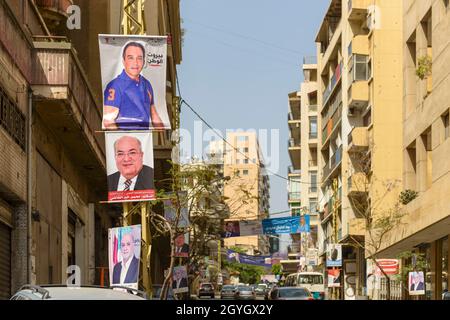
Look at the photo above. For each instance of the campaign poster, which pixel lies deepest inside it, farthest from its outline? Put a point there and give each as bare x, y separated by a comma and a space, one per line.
416, 283
250, 227
334, 255
180, 279
129, 166
182, 245
170, 211
334, 278
124, 251
262, 261
133, 70
304, 223
231, 229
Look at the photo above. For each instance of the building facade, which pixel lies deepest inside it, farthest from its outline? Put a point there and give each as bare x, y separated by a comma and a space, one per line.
302, 147
54, 174
360, 90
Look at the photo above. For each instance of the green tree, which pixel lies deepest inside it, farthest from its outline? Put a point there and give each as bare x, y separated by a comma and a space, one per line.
277, 269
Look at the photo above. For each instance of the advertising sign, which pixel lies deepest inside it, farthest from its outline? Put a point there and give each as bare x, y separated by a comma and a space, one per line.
129, 166
281, 225
124, 250
133, 70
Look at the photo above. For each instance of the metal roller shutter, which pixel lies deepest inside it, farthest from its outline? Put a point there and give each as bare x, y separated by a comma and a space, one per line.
5, 262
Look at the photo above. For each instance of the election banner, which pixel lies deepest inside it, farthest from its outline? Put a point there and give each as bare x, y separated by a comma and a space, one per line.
129, 166
124, 251
304, 223
180, 279
334, 255
281, 225
170, 212
262, 261
250, 227
334, 278
133, 70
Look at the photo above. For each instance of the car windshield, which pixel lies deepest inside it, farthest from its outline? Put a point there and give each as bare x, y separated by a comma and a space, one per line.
245, 288
293, 292
206, 286
228, 288
310, 279
262, 286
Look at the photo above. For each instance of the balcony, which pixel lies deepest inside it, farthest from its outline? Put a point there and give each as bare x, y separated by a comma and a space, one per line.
312, 190
358, 94
330, 126
359, 45
357, 9
312, 108
65, 102
293, 172
332, 84
312, 163
294, 196
358, 140
295, 153
313, 135
334, 163
357, 185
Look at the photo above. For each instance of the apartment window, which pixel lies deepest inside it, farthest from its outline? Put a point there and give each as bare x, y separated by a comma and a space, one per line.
313, 181
245, 172
445, 120
245, 149
359, 68
245, 161
12, 119
242, 138
313, 205
313, 127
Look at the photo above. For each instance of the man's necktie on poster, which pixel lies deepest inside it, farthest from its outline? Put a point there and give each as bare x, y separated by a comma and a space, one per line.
127, 185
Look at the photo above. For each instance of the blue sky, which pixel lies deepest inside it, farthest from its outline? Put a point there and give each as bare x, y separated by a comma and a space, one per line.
240, 61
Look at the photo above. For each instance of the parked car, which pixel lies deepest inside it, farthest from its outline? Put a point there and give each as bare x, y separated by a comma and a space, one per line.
227, 292
206, 289
63, 292
290, 293
245, 293
261, 289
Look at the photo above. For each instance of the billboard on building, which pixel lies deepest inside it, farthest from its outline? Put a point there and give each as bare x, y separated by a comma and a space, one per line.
180, 279
129, 166
334, 255
124, 251
133, 70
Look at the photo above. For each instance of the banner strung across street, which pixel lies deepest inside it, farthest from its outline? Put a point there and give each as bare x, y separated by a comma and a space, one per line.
129, 165
133, 72
262, 261
124, 251
240, 228
281, 225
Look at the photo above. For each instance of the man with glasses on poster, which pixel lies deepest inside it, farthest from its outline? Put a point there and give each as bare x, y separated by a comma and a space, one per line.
129, 102
132, 174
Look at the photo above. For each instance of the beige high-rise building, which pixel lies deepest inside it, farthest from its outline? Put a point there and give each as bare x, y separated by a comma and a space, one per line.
359, 49
426, 142
302, 147
247, 172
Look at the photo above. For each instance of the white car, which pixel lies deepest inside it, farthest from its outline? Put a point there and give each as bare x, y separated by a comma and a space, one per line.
62, 292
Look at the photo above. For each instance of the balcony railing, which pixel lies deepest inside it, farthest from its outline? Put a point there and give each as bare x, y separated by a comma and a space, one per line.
332, 84
312, 189
312, 108
312, 163
313, 135
331, 124
291, 170
293, 144
310, 60
294, 196
333, 163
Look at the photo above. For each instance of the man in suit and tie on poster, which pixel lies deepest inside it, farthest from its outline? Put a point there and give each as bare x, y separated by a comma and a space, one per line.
230, 230
179, 279
417, 283
181, 248
132, 174
126, 271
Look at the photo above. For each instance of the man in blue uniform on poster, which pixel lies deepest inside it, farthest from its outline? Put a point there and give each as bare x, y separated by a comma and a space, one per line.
129, 102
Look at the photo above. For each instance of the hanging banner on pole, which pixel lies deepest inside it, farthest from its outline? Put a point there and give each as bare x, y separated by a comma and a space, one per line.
124, 251
334, 278
180, 279
334, 255
129, 165
133, 70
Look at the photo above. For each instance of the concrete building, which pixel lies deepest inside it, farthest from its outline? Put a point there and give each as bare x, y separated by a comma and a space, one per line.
53, 162
248, 176
426, 142
359, 50
302, 146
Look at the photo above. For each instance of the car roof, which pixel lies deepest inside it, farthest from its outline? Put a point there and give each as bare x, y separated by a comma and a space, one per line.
75, 293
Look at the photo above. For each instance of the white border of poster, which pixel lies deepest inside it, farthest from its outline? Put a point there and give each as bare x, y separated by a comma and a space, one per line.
334, 255
117, 237
118, 88
142, 187
416, 277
